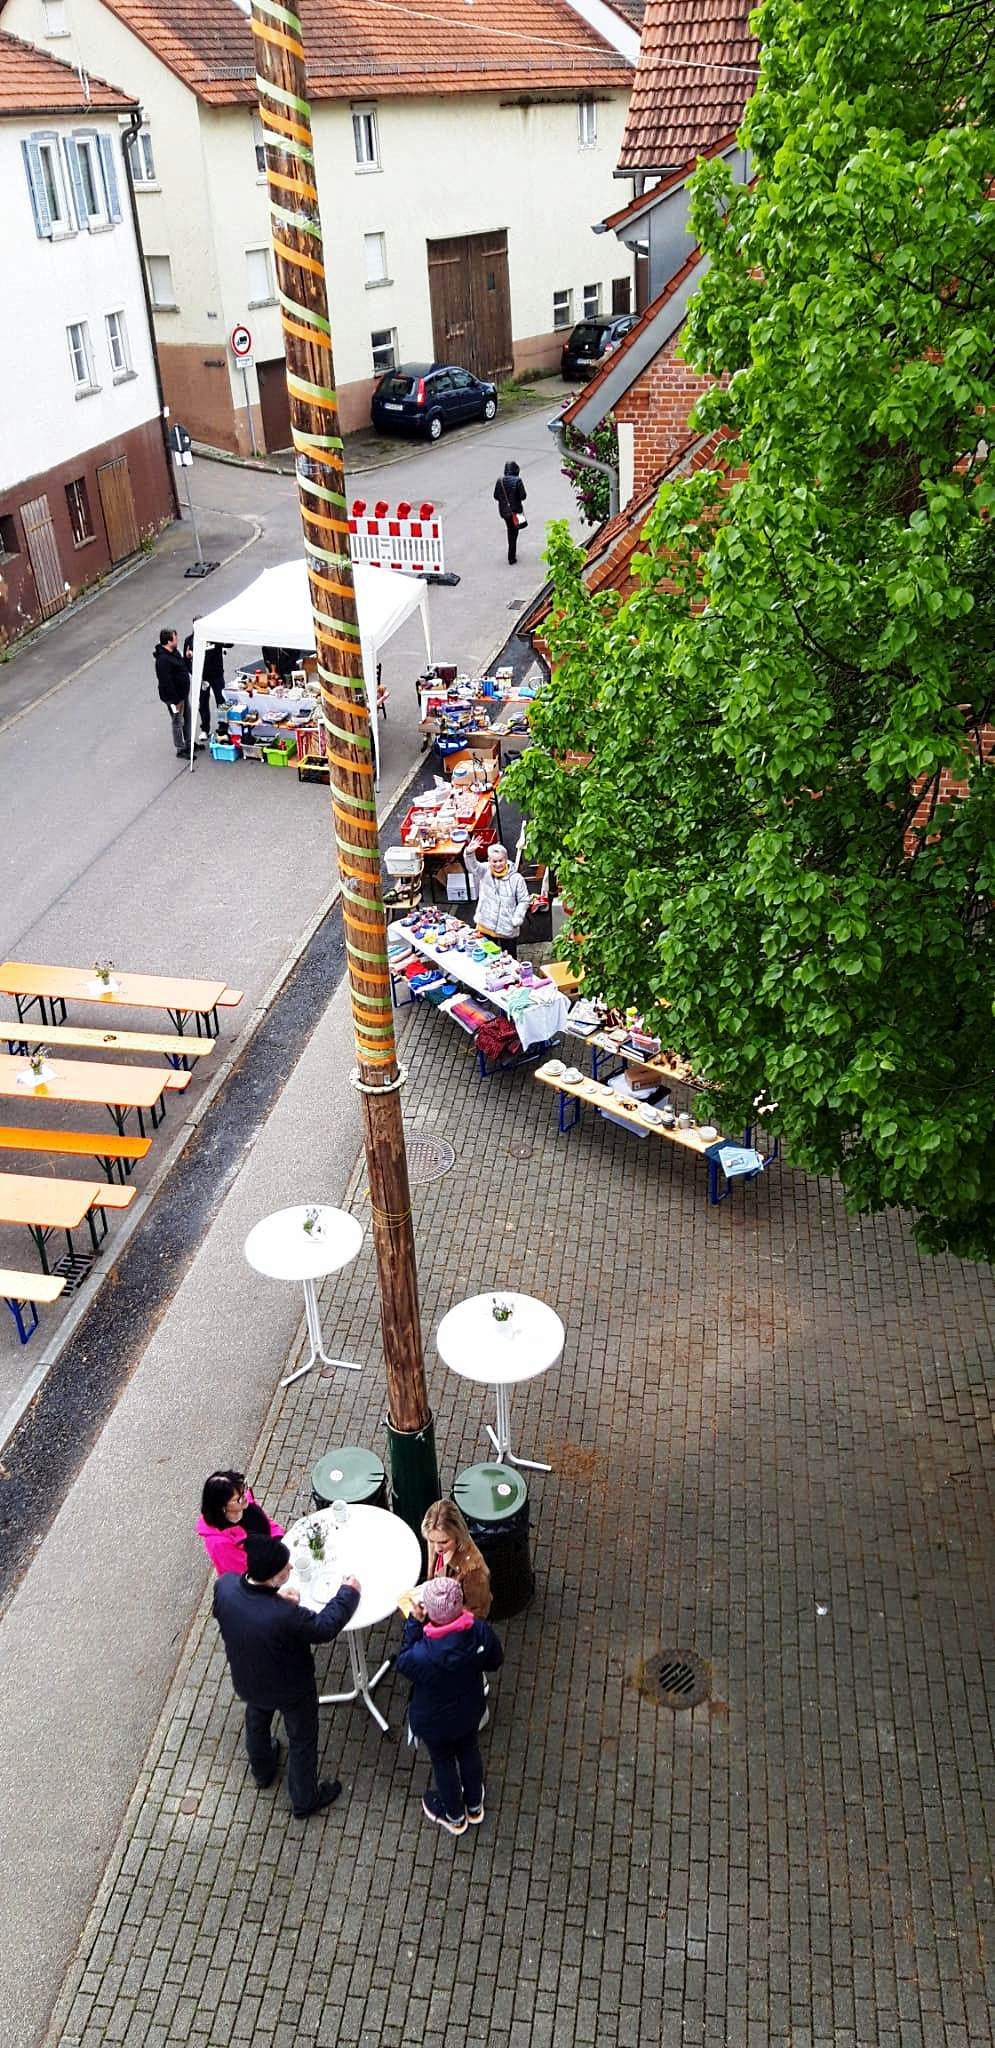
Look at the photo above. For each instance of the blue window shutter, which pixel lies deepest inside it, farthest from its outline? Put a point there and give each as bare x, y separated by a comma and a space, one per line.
76, 181
36, 187
110, 176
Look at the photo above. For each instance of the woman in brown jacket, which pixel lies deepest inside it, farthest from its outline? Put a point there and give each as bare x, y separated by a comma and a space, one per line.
452, 1551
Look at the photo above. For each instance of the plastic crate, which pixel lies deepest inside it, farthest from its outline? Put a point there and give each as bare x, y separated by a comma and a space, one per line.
224, 750
280, 753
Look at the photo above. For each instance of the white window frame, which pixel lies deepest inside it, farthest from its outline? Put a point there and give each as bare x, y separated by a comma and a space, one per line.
55, 9
383, 342
567, 308
56, 185
161, 305
259, 145
264, 250
88, 152
143, 168
591, 301
81, 356
375, 246
117, 345
366, 138
587, 124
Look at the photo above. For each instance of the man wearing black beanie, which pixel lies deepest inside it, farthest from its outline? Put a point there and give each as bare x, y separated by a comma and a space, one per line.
267, 1637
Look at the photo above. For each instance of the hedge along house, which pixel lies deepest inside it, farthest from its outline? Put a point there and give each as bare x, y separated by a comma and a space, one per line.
462, 152
84, 477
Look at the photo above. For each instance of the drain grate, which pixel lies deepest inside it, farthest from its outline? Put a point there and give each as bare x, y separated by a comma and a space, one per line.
674, 1678
428, 1160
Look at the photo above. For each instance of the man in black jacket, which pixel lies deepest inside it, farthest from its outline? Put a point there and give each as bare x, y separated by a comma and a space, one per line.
173, 678
267, 1637
212, 681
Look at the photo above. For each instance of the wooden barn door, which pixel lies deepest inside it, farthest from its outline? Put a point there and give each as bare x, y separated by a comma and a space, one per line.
118, 504
43, 554
471, 302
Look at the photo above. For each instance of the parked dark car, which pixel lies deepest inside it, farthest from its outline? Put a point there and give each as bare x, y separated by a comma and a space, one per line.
591, 341
422, 398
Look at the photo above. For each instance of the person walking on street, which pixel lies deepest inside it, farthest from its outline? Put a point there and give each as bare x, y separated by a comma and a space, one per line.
267, 1636
445, 1652
173, 678
510, 494
212, 680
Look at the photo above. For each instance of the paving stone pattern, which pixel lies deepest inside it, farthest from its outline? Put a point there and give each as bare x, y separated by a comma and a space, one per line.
763, 1411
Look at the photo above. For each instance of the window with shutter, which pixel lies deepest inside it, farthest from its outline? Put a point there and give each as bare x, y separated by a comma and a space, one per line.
259, 275
46, 187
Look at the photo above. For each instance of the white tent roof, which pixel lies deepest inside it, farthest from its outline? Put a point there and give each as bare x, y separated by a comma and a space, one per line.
274, 610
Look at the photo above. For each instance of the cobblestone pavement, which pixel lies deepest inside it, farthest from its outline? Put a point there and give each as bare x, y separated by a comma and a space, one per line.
768, 1431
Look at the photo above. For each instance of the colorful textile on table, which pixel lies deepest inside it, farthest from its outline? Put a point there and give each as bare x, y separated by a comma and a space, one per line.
498, 1038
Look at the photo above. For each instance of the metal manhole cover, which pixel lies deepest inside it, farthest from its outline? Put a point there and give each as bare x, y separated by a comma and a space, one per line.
519, 1151
428, 1159
674, 1678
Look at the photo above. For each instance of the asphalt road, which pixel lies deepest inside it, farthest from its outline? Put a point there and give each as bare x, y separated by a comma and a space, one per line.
108, 847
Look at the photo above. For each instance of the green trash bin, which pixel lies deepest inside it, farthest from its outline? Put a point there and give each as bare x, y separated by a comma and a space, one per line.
351, 1474
494, 1503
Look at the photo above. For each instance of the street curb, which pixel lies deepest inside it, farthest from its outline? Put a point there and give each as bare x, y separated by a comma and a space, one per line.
138, 626
96, 1280
405, 447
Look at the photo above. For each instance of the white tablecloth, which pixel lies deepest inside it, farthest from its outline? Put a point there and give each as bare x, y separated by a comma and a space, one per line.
545, 1016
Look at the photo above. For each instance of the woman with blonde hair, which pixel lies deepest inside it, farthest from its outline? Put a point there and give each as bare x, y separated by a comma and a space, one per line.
452, 1553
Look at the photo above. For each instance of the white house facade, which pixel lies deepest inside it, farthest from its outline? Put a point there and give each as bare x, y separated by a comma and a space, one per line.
83, 472
457, 191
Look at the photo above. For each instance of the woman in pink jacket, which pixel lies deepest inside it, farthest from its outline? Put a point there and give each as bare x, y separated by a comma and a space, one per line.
229, 1513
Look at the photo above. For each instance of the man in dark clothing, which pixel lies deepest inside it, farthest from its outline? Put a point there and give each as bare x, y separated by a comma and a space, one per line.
267, 1637
509, 493
212, 680
173, 678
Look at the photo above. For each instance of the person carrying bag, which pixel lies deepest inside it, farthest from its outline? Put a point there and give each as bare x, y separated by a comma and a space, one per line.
510, 494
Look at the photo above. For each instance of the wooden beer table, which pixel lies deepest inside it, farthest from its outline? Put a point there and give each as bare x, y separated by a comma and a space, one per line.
119, 1090
53, 987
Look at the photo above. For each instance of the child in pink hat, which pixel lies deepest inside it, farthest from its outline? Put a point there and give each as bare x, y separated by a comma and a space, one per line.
445, 1652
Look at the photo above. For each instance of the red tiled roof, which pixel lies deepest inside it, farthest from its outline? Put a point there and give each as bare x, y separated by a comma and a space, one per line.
645, 320
380, 49
632, 11
696, 71
31, 82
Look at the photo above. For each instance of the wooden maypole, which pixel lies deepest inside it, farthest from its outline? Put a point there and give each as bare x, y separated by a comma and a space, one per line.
281, 81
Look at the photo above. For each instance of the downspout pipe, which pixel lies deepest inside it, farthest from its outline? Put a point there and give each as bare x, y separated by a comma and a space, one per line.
556, 428
129, 137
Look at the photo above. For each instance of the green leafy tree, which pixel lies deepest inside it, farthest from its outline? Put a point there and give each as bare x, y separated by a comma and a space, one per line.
743, 773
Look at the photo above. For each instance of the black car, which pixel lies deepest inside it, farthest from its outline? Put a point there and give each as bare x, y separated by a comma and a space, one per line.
422, 398
591, 341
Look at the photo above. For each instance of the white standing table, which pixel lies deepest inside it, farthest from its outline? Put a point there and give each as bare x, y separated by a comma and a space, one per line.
381, 1552
282, 1249
474, 1344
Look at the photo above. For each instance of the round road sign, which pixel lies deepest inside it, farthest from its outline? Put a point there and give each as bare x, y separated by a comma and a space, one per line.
241, 341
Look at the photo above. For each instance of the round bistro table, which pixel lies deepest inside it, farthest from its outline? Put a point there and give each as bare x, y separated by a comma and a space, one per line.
474, 1344
380, 1551
280, 1248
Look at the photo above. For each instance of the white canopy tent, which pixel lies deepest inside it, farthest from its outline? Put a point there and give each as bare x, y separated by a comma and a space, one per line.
275, 611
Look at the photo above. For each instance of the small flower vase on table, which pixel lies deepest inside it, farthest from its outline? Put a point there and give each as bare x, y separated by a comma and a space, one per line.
103, 982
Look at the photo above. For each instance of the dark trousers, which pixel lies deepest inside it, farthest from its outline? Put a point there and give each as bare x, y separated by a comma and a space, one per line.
459, 1773
301, 1723
216, 689
180, 721
512, 539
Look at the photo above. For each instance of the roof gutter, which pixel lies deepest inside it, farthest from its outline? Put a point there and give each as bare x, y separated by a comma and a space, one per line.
129, 137
557, 429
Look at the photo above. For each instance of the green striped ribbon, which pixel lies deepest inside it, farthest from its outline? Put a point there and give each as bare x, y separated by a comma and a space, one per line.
304, 313
277, 13
356, 803
349, 739
300, 221
284, 99
321, 394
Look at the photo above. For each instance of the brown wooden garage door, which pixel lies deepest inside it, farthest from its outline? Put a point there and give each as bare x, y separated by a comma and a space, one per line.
118, 505
471, 302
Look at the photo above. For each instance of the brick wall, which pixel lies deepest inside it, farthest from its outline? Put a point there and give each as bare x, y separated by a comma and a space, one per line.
951, 785
658, 407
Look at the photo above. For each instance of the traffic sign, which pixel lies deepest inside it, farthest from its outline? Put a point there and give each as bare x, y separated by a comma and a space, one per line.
241, 342
180, 443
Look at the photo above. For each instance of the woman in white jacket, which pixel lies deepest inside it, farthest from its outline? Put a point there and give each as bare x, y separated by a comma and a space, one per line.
502, 897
